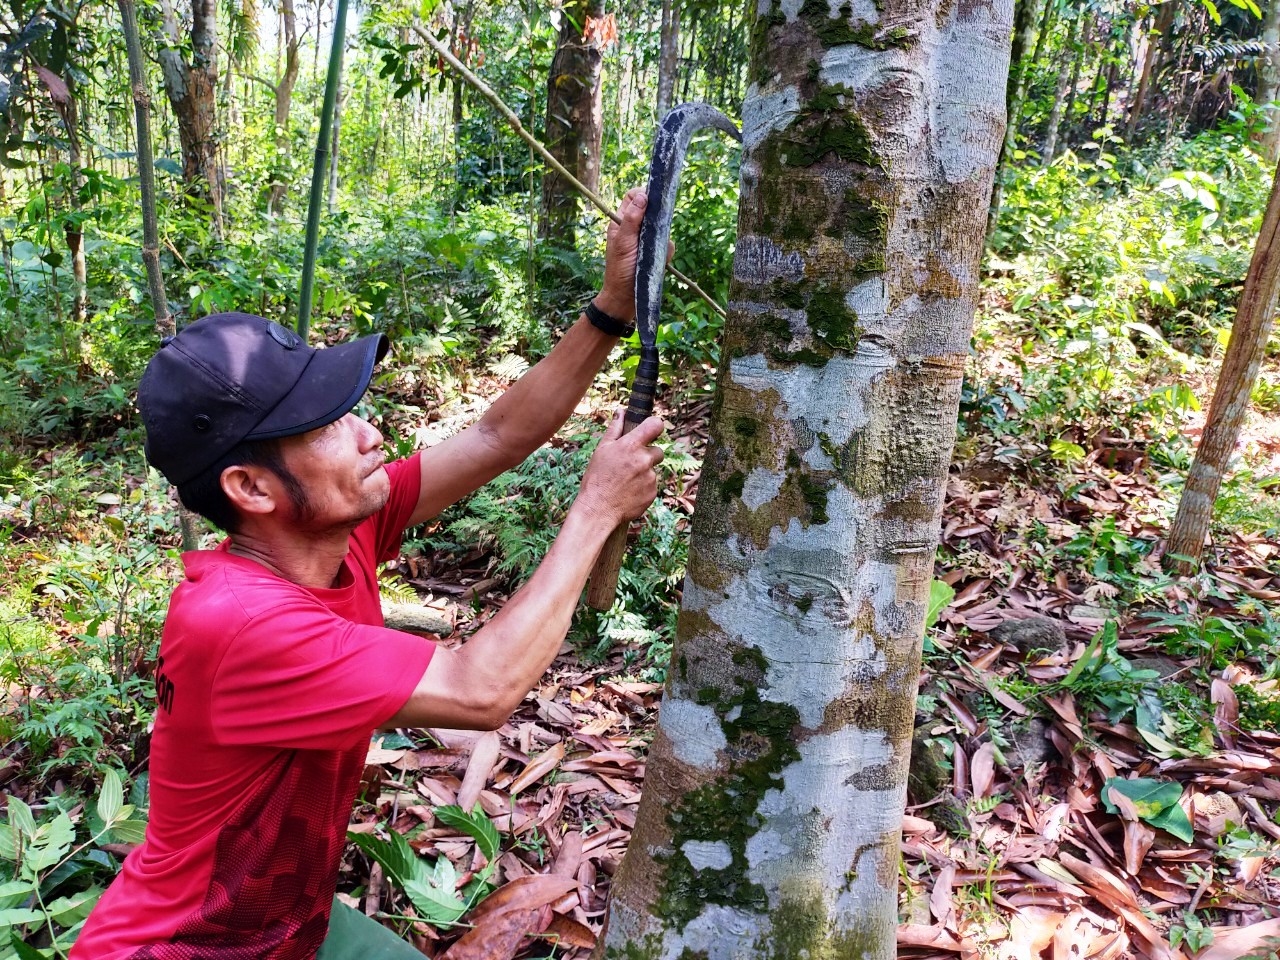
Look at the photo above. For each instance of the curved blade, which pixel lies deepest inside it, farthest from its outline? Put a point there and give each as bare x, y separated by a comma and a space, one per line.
674, 133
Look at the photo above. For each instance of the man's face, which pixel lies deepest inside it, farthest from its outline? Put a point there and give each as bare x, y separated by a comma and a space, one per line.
339, 469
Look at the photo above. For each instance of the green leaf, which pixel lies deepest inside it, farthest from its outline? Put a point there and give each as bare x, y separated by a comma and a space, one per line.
21, 818
1090, 654
941, 594
15, 892
475, 825
434, 904
17, 915
24, 950
129, 831
111, 797
74, 908
400, 860
1156, 802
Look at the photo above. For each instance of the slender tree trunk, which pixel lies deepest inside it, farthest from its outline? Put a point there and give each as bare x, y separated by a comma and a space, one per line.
191, 88
74, 229
333, 153
771, 818
574, 123
668, 54
1164, 20
1249, 335
165, 325
1068, 73
284, 103
1019, 65
1268, 139
1042, 34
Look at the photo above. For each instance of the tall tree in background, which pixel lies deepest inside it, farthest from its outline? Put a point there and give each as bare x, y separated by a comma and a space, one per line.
771, 817
574, 123
1268, 139
191, 87
1064, 89
668, 54
1153, 43
1248, 342
282, 92
1020, 62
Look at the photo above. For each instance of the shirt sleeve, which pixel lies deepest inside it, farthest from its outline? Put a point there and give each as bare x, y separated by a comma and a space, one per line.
305, 678
390, 521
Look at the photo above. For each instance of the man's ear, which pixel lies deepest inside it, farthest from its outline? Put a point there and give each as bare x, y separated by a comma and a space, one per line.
252, 489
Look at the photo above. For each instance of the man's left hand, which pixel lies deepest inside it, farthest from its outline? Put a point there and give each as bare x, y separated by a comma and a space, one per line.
617, 296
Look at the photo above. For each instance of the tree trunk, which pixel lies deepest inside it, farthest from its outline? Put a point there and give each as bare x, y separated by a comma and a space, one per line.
74, 229
333, 149
1164, 20
1019, 64
1249, 334
771, 817
284, 102
574, 122
1268, 139
668, 55
1068, 76
165, 325
191, 88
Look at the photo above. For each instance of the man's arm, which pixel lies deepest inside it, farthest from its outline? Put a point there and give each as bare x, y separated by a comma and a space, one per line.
539, 403
479, 684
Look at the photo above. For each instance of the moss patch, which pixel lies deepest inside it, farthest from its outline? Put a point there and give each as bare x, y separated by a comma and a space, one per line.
761, 746
838, 29
803, 930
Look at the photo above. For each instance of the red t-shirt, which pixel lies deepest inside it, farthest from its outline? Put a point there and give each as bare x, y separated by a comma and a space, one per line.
267, 695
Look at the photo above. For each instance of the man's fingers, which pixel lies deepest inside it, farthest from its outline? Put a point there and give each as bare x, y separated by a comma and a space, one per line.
649, 431
671, 250
614, 430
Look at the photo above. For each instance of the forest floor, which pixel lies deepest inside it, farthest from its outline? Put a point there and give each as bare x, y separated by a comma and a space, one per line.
1016, 843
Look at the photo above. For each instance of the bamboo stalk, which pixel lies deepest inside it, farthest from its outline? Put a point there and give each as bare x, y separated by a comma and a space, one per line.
320, 171
165, 325
509, 115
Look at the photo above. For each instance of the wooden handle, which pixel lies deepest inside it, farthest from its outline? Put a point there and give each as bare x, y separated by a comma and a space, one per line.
603, 583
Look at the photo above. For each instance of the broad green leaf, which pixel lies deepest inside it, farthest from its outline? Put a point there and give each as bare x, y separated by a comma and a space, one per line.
1156, 802
21, 818
16, 915
15, 892
129, 831
72, 909
475, 825
435, 904
400, 860
940, 595
24, 950
111, 797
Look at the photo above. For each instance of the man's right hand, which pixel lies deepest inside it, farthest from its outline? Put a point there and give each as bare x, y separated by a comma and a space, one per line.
621, 480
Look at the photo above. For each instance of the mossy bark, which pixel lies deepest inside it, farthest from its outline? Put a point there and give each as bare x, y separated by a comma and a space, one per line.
771, 816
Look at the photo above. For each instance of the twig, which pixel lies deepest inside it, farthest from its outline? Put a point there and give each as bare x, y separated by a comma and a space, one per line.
487, 92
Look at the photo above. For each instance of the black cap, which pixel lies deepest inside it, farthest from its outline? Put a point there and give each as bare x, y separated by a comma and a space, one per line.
231, 377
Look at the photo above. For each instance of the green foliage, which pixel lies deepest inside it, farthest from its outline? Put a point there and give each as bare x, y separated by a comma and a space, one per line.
1155, 801
432, 887
52, 867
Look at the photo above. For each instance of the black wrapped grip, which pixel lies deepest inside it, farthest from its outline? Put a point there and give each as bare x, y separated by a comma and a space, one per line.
643, 388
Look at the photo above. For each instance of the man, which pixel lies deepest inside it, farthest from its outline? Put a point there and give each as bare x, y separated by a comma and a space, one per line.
274, 666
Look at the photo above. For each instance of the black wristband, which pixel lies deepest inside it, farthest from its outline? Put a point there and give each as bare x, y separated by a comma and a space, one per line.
605, 323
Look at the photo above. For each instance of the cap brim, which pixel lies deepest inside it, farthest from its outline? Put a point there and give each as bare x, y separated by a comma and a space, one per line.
332, 383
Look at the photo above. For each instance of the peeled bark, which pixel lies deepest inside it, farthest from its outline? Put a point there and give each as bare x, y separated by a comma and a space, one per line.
191, 88
1268, 139
1248, 342
574, 122
771, 817
668, 54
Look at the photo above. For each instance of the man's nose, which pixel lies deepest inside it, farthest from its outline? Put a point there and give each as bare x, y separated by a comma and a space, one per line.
370, 436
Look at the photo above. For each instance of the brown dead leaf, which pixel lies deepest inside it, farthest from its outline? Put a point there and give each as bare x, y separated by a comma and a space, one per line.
538, 768
484, 756
918, 935
1231, 943
941, 904
1226, 712
982, 770
570, 933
